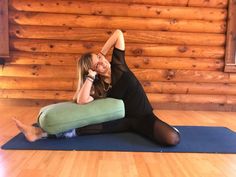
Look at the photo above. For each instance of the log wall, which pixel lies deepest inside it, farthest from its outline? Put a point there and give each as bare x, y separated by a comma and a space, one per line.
175, 48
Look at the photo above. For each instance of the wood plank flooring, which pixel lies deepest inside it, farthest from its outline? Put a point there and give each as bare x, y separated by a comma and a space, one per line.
20, 163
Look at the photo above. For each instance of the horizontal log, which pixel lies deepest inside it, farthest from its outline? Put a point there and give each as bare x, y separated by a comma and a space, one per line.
77, 47
189, 88
157, 106
210, 3
187, 98
125, 23
43, 84
182, 75
26, 102
40, 71
122, 9
25, 58
201, 3
175, 63
184, 106
133, 62
232, 77
37, 94
131, 36
67, 95
64, 84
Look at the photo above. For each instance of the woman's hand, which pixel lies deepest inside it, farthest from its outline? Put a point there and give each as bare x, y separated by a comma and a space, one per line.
92, 73
83, 96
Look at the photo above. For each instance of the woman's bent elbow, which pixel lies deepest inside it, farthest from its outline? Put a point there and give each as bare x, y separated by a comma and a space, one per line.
119, 32
81, 102
84, 101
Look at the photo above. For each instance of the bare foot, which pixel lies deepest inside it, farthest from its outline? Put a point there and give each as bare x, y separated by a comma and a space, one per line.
31, 133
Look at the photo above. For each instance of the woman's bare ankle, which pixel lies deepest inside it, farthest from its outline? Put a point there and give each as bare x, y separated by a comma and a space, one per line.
31, 133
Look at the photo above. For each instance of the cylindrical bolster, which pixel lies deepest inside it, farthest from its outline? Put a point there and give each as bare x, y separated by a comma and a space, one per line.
60, 117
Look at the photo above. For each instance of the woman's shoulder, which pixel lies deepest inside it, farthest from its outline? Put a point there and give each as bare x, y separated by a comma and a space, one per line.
118, 49
118, 52
118, 56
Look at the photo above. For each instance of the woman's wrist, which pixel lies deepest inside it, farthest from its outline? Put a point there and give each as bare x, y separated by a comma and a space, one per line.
102, 53
90, 78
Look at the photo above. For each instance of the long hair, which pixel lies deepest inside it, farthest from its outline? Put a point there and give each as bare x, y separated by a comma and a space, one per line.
84, 63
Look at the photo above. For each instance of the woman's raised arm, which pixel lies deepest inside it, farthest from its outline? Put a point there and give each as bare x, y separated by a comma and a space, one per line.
116, 39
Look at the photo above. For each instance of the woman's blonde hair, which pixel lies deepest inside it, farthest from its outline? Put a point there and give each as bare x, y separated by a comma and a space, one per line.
84, 63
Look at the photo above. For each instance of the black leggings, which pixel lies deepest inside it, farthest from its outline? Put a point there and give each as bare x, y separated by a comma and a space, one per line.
149, 126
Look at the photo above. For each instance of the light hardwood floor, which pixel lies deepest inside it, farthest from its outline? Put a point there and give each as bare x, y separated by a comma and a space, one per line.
115, 164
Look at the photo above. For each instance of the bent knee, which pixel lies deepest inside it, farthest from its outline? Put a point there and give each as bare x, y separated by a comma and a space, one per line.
173, 139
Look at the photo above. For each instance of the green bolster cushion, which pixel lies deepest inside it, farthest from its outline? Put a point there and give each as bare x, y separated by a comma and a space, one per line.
61, 117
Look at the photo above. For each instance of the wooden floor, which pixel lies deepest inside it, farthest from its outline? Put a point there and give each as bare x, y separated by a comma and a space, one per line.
115, 164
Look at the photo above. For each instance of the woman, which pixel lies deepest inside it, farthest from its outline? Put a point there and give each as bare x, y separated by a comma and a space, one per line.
98, 79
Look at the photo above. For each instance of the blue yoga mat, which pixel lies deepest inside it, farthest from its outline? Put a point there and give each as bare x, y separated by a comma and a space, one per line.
198, 139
